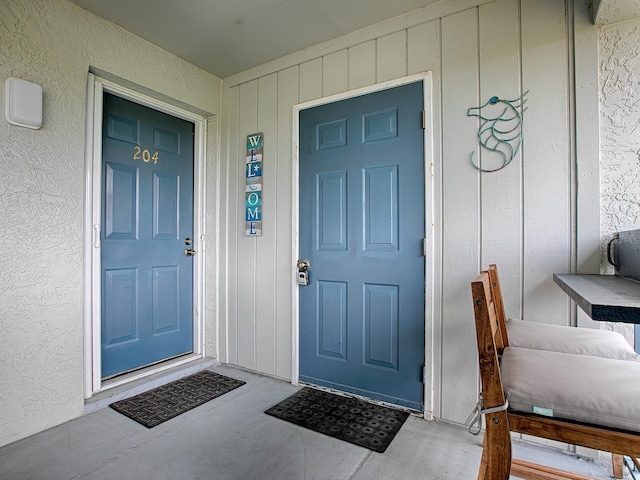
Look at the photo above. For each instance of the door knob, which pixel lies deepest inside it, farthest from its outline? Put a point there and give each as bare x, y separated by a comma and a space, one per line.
189, 252
303, 271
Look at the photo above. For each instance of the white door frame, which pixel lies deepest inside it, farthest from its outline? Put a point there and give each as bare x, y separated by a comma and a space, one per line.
430, 230
93, 204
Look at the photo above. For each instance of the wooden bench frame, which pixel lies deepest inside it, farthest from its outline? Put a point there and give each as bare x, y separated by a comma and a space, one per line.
497, 462
617, 460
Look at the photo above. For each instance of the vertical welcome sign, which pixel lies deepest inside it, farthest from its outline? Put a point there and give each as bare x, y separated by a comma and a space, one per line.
253, 185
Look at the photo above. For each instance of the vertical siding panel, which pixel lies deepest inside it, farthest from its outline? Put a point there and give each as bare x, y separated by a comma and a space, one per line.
311, 80
266, 244
460, 213
335, 73
547, 166
392, 56
246, 259
362, 65
423, 48
587, 149
287, 97
501, 191
587, 142
229, 254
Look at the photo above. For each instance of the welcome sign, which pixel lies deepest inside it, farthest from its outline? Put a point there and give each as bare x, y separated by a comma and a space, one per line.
253, 185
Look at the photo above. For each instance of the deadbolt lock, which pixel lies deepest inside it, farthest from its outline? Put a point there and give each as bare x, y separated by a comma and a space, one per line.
189, 252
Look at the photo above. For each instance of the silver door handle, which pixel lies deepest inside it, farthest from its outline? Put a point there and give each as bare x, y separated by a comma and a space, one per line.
303, 272
189, 252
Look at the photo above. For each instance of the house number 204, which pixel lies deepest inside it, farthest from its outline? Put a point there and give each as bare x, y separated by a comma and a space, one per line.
144, 155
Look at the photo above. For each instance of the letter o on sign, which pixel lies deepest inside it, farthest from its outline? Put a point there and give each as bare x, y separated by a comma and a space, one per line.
253, 199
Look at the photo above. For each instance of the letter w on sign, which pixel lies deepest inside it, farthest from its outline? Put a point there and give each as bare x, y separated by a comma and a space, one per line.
254, 140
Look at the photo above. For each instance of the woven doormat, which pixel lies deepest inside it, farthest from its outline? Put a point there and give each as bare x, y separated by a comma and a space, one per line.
168, 401
346, 418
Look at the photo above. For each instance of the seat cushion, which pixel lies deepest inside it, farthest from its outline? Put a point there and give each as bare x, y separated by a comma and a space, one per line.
556, 338
600, 391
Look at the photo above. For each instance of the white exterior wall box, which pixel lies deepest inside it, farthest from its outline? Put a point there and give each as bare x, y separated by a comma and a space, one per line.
23, 103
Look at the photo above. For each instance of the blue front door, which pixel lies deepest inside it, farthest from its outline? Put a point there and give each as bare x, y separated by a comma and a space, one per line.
362, 226
147, 222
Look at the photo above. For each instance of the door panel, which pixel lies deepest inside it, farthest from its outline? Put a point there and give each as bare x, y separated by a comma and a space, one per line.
121, 185
120, 285
166, 206
361, 226
165, 300
381, 326
147, 280
381, 209
331, 233
332, 319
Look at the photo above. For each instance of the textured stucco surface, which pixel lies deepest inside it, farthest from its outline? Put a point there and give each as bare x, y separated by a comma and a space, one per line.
619, 47
612, 11
619, 128
53, 43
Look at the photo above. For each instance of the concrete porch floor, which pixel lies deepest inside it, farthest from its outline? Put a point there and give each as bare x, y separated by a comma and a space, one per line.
230, 438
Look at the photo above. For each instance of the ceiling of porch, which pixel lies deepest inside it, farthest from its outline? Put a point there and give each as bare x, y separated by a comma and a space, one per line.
225, 37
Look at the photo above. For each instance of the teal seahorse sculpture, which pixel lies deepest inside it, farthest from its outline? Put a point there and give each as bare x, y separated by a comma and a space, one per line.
501, 128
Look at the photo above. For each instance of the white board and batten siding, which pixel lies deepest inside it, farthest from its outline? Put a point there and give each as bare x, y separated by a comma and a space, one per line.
521, 218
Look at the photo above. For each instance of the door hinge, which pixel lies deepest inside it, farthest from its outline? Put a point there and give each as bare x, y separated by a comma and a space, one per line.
424, 120
424, 247
424, 374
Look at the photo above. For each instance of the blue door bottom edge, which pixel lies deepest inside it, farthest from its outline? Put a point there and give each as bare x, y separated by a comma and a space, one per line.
391, 401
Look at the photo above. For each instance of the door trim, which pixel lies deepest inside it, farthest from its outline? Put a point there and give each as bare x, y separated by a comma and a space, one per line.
431, 233
96, 86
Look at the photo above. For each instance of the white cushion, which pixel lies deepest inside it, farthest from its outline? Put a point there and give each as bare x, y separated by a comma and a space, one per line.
595, 390
557, 338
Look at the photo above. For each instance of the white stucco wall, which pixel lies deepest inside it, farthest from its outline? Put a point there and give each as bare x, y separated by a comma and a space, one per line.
53, 43
619, 123
619, 51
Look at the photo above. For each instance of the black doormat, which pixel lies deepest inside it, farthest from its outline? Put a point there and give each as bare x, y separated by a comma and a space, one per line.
346, 418
163, 403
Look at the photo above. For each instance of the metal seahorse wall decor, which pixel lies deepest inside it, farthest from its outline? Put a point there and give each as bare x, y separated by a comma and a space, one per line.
501, 128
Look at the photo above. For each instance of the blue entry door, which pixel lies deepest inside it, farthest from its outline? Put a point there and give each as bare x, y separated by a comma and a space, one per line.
147, 224
362, 212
